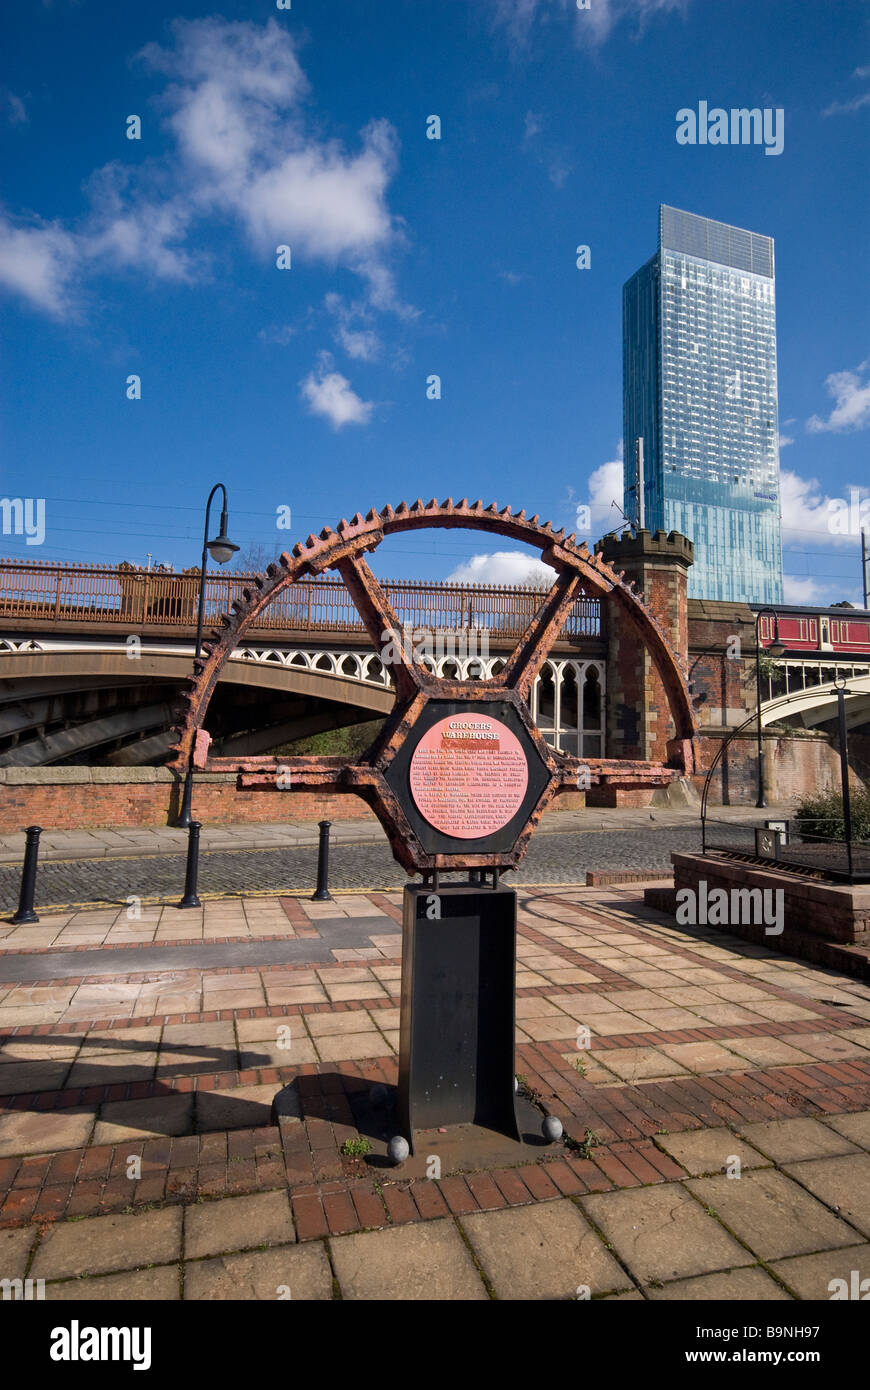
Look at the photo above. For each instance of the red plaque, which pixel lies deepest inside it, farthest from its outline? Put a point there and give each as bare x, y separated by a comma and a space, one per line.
468, 776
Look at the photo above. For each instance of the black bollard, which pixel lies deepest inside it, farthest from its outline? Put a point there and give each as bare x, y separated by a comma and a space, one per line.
25, 911
190, 899
322, 893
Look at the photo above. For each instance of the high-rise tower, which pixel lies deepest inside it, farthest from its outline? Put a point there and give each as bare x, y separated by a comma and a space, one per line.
699, 386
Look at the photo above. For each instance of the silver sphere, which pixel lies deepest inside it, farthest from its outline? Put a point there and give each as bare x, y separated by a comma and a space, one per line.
551, 1129
398, 1149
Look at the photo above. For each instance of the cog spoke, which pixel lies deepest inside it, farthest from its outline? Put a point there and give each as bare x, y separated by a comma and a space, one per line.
533, 648
381, 622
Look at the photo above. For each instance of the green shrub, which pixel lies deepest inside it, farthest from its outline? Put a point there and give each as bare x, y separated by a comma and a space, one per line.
821, 815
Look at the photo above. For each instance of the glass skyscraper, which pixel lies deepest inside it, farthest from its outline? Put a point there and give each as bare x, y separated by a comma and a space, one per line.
699, 386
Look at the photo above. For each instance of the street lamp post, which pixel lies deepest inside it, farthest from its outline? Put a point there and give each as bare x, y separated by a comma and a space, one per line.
776, 648
221, 548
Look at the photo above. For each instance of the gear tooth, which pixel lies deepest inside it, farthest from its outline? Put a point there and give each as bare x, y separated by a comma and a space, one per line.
402, 509
476, 506
417, 506
570, 540
298, 550
560, 534
547, 526
342, 526
312, 540
447, 504
387, 513
493, 508
283, 561
505, 511
373, 515
432, 505
358, 519
520, 515
535, 520
463, 505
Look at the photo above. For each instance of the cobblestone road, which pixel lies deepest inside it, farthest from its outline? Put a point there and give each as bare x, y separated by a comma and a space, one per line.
552, 858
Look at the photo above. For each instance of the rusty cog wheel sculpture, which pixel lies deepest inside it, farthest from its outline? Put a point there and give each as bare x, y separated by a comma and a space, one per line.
381, 775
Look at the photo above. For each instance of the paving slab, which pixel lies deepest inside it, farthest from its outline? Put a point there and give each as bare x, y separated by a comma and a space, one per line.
239, 1107
106, 1244
171, 1114
843, 1183
141, 1285
855, 1128
17, 1078
791, 1141
15, 1248
544, 1251
703, 1151
662, 1233
39, 1132
810, 1276
771, 1214
729, 1286
293, 1272
237, 1223
420, 1261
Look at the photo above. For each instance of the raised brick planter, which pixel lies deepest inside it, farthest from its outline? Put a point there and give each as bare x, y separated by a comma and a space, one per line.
825, 922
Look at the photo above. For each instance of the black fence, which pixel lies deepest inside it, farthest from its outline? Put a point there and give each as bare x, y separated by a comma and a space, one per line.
789, 845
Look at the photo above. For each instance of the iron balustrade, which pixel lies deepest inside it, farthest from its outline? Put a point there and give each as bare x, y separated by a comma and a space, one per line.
42, 591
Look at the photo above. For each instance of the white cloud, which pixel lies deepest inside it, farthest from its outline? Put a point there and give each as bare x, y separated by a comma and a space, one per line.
806, 511
13, 107
242, 150
504, 567
840, 108
592, 26
800, 590
39, 263
852, 396
785, 440
330, 394
359, 342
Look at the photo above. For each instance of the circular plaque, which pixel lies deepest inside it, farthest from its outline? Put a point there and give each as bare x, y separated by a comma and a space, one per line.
468, 776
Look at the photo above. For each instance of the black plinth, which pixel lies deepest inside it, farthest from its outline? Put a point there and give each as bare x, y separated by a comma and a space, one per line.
456, 1058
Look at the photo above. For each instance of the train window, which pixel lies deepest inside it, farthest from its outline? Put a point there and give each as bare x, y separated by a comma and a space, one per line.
824, 632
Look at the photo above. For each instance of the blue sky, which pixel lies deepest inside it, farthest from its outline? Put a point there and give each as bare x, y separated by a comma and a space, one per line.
410, 257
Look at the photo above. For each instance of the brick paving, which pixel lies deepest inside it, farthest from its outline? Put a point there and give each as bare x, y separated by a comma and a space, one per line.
139, 1155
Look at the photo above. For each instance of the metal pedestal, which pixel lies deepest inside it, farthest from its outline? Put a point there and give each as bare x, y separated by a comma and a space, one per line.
456, 1059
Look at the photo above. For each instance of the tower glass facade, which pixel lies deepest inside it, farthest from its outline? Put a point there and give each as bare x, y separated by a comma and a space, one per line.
699, 386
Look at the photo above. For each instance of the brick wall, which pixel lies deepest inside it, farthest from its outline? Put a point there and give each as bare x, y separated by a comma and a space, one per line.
84, 798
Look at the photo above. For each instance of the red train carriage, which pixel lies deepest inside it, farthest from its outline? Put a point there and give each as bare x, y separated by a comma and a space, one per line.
839, 631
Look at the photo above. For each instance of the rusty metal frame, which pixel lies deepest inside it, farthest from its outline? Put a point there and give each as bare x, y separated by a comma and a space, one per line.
578, 572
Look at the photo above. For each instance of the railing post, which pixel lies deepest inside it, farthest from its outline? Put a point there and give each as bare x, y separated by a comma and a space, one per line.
25, 911
192, 871
322, 893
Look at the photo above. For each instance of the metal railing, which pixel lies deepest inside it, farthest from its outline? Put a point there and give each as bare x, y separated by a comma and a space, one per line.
800, 850
124, 596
